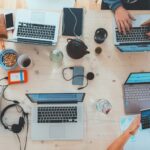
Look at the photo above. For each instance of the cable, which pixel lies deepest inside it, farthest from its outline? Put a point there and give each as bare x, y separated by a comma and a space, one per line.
14, 101
5, 78
75, 24
63, 74
76, 21
27, 131
25, 114
19, 141
84, 86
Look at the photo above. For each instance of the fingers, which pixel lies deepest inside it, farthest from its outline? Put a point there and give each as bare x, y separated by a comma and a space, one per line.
124, 26
147, 23
131, 17
148, 34
119, 26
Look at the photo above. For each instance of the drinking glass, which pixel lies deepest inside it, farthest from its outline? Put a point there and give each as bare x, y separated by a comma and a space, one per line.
103, 106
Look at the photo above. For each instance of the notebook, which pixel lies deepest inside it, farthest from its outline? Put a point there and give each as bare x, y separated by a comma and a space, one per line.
72, 21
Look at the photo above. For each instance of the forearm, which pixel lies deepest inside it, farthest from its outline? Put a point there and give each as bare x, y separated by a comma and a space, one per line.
119, 143
113, 4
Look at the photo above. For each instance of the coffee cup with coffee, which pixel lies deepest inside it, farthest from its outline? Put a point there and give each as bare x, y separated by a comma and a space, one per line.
24, 61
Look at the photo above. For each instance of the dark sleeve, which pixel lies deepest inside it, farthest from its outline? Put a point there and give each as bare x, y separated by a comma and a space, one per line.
113, 4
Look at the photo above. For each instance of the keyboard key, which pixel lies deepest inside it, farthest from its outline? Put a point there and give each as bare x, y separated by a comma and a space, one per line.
37, 31
57, 114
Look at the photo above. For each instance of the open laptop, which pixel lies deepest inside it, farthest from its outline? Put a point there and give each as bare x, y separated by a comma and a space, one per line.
136, 91
49, 4
36, 27
136, 40
57, 116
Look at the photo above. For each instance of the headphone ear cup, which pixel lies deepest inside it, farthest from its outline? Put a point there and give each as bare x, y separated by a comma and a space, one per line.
16, 128
21, 122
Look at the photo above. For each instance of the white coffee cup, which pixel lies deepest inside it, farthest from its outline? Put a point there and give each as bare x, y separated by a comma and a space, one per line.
24, 61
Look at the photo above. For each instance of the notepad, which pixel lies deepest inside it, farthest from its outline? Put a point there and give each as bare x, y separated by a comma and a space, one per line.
72, 21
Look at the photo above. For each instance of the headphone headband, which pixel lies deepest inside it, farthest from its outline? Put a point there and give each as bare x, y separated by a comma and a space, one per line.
5, 110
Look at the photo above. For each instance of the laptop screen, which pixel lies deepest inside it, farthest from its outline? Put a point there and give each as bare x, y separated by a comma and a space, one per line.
139, 78
134, 48
56, 97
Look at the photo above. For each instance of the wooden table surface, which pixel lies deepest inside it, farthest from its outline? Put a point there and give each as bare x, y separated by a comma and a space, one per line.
111, 69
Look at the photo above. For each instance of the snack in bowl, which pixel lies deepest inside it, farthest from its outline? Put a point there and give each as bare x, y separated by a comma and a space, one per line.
8, 59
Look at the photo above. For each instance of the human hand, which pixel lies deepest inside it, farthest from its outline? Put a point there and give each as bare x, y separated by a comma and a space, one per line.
134, 125
123, 19
147, 23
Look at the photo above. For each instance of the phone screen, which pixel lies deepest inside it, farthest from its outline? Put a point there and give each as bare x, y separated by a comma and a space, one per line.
145, 118
9, 20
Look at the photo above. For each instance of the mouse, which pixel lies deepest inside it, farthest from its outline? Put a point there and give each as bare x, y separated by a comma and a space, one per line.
100, 35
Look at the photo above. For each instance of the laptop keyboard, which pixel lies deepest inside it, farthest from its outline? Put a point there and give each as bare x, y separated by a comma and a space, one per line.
37, 31
57, 114
137, 34
139, 92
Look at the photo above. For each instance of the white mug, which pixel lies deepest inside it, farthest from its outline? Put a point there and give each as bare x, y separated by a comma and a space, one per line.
24, 61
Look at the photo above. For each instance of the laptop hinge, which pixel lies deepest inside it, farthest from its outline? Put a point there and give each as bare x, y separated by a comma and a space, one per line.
31, 41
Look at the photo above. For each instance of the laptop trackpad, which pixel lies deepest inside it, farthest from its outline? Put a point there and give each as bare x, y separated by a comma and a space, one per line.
144, 104
57, 131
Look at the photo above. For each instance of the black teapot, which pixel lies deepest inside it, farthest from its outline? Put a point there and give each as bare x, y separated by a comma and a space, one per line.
76, 48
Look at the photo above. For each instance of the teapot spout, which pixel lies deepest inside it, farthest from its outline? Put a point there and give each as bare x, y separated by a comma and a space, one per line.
87, 52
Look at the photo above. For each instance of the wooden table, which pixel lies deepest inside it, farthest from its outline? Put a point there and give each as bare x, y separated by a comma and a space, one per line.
111, 69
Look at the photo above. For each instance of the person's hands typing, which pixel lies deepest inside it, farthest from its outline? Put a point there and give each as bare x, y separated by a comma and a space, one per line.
123, 19
147, 23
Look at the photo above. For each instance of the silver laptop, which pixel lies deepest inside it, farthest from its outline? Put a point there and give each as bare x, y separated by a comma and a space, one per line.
57, 116
36, 27
136, 91
135, 40
49, 4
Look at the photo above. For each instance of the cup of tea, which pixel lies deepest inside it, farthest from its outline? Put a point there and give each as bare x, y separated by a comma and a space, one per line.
24, 61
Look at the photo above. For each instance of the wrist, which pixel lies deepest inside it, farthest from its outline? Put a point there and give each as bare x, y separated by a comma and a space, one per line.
119, 8
129, 132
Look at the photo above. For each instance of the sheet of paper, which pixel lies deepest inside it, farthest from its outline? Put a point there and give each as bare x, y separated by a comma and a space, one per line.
140, 141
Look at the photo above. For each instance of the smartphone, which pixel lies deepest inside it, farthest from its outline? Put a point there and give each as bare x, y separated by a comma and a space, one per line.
9, 21
78, 75
145, 118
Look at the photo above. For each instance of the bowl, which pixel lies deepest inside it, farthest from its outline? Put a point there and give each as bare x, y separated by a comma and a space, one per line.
8, 59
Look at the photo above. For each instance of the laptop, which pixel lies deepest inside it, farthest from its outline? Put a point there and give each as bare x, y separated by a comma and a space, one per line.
136, 92
57, 116
49, 4
136, 40
36, 27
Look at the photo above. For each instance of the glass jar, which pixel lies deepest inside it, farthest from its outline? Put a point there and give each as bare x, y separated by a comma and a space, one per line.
56, 56
103, 105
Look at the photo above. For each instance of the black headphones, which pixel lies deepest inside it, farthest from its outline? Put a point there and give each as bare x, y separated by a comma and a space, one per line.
100, 35
15, 128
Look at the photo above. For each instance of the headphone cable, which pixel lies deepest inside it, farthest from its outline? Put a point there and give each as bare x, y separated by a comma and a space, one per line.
26, 114
3, 95
19, 140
